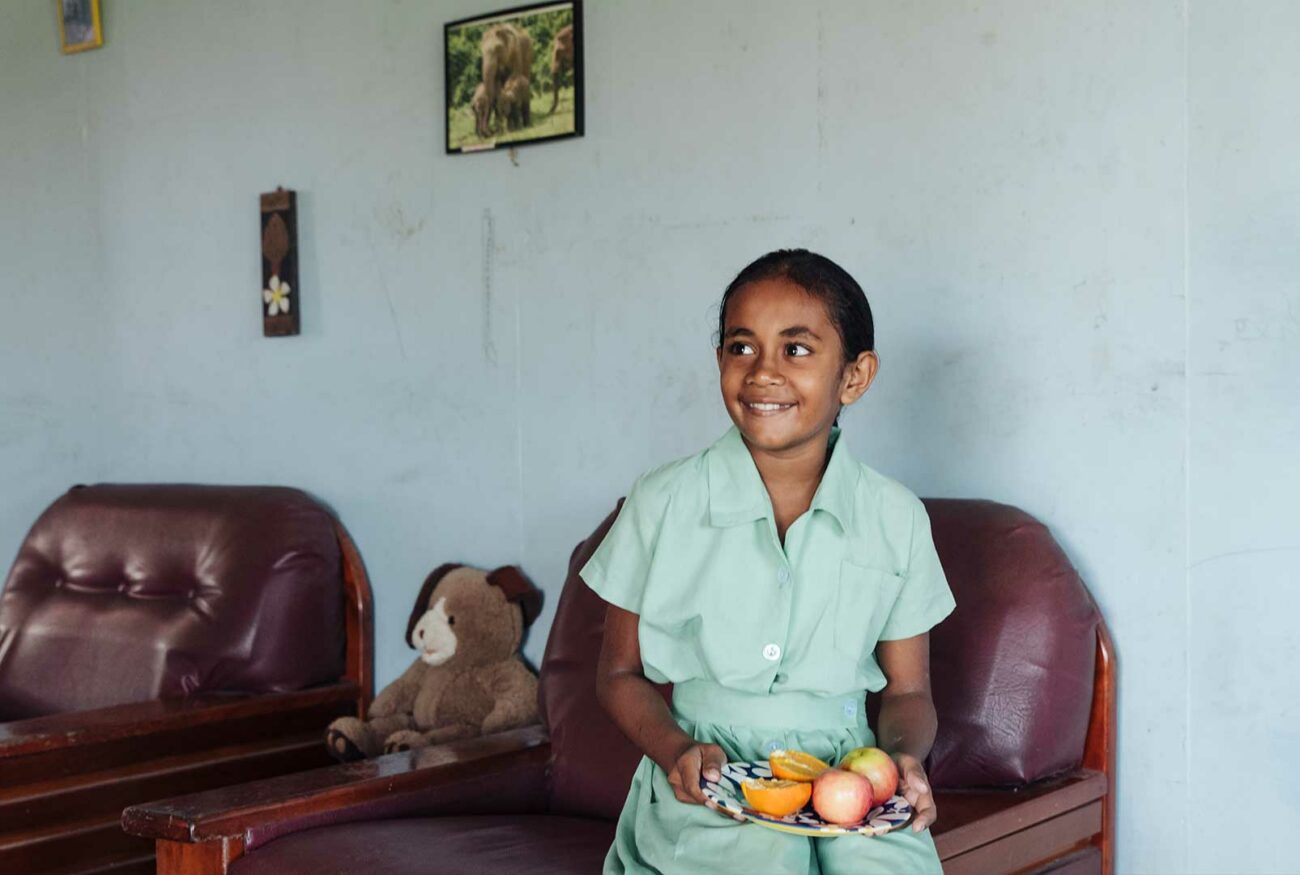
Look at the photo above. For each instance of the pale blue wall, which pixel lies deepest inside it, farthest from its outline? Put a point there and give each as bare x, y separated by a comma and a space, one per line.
1244, 435
491, 352
53, 343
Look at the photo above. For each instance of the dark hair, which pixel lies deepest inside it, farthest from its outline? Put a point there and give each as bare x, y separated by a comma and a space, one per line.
845, 302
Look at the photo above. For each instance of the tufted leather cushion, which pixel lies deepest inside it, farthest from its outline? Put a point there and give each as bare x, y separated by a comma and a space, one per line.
129, 593
1012, 667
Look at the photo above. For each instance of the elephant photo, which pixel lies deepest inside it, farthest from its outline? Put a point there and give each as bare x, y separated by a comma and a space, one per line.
500, 69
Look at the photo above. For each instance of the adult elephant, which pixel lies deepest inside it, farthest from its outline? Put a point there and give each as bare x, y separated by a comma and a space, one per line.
561, 60
507, 51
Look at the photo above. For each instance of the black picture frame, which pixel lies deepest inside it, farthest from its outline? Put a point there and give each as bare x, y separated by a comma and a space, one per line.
512, 107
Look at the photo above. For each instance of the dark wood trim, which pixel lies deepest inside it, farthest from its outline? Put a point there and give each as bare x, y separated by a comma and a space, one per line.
1102, 742
360, 621
116, 737
1028, 848
208, 857
67, 846
1011, 811
77, 728
48, 803
232, 811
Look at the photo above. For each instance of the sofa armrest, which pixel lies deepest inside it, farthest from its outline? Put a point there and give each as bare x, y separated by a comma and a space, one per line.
492, 774
42, 748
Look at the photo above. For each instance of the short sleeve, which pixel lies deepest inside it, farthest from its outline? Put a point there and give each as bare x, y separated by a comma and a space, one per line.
618, 570
925, 598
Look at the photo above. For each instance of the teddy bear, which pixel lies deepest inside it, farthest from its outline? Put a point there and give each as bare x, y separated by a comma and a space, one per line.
468, 680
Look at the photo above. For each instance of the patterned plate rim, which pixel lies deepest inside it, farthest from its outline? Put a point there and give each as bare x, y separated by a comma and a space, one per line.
726, 798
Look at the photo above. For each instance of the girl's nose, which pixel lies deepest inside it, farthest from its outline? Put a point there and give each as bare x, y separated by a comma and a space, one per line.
765, 373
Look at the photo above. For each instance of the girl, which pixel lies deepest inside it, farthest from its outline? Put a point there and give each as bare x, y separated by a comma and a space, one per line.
773, 580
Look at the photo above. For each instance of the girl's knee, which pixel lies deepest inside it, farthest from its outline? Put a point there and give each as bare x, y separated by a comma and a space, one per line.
901, 852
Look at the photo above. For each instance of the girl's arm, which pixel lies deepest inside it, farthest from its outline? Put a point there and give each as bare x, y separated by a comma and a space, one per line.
907, 722
638, 709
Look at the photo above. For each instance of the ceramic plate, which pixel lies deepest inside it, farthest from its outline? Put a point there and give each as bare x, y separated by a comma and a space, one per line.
726, 797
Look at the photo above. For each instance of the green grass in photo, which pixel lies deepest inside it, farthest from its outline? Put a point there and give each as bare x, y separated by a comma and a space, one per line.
460, 122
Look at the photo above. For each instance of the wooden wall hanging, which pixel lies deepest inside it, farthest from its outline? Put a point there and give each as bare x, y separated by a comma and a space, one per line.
280, 293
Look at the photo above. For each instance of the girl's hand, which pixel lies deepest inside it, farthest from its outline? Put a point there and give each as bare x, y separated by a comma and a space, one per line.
915, 787
693, 760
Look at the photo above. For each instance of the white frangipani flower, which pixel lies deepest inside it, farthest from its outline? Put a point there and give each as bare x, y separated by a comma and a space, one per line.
276, 297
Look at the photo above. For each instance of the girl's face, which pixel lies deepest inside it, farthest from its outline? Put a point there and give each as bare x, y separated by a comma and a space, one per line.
782, 367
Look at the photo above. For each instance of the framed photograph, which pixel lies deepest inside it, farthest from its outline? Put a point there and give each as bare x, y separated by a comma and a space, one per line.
514, 76
79, 25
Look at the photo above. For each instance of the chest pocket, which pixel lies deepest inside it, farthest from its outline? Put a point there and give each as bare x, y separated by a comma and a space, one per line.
863, 602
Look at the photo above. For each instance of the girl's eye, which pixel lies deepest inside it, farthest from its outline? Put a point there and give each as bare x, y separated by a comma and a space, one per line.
794, 349
739, 348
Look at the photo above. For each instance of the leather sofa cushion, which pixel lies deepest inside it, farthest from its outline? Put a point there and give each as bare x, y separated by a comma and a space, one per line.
503, 845
592, 761
1012, 667
128, 593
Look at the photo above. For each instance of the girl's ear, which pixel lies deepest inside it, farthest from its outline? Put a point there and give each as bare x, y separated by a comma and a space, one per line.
858, 376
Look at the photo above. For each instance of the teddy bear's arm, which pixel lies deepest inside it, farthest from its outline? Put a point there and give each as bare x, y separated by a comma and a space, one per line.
399, 696
514, 704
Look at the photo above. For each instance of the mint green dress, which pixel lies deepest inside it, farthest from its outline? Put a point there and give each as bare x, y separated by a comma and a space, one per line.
767, 646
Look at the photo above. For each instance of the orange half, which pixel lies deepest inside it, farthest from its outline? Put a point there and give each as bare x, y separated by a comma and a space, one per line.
776, 797
795, 765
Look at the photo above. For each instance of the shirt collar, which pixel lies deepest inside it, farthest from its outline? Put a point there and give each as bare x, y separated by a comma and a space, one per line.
737, 494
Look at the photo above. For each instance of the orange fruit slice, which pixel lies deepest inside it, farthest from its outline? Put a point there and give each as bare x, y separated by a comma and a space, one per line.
795, 765
776, 797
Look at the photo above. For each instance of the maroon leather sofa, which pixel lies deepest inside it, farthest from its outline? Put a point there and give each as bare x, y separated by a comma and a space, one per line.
164, 639
1023, 764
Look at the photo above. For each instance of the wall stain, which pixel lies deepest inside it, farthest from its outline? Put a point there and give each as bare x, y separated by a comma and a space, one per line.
394, 221
488, 234
388, 297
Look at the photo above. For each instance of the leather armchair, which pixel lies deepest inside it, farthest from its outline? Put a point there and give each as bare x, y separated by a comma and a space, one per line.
1023, 765
164, 639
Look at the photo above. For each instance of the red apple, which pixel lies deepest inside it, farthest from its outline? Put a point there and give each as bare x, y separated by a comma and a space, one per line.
841, 797
877, 767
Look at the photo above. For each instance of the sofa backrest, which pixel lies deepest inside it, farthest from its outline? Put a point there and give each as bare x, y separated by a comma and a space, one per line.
128, 593
1012, 667
591, 760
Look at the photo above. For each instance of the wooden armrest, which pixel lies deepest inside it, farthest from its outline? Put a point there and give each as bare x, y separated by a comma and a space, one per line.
517, 757
64, 744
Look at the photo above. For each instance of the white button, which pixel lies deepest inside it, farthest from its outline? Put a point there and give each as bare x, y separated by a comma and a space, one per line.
773, 746
772, 652
783, 576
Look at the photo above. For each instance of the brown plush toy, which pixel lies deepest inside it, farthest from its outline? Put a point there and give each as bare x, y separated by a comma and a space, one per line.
468, 680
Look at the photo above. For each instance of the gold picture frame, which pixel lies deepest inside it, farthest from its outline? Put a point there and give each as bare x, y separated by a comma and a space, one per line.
80, 27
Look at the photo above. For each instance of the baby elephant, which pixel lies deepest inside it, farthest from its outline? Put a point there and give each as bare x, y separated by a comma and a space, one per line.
514, 103
478, 104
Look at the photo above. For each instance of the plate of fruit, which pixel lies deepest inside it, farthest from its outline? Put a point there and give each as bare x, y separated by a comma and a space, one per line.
795, 792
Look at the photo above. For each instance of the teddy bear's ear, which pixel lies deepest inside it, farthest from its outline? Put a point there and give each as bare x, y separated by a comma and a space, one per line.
518, 588
422, 601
